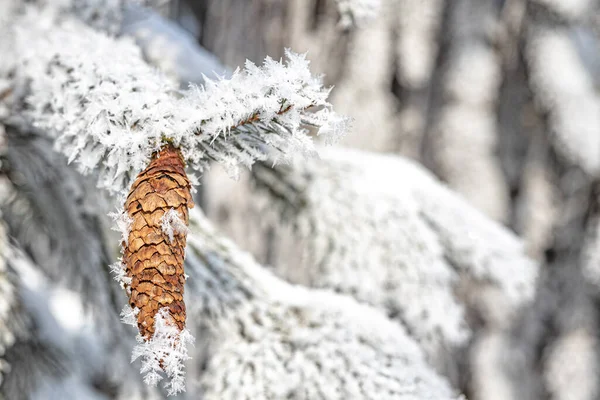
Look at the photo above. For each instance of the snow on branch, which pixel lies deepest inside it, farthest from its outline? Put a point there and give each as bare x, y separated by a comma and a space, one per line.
50, 210
269, 339
110, 111
384, 230
23, 350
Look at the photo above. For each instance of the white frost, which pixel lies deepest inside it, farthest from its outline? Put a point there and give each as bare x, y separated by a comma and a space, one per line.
168, 347
129, 315
171, 224
405, 247
110, 111
119, 272
268, 339
123, 224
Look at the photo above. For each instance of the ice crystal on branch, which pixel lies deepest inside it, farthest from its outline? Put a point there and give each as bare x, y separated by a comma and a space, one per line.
119, 272
171, 223
165, 351
122, 224
129, 315
110, 111
115, 116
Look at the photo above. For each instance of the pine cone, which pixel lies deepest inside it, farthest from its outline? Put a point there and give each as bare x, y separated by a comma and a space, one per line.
152, 260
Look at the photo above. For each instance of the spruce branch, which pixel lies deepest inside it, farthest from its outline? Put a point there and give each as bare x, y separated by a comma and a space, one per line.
269, 339
51, 212
381, 243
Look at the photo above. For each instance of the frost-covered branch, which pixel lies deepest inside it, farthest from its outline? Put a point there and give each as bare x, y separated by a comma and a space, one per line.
385, 243
21, 352
269, 339
55, 214
110, 111
70, 353
117, 116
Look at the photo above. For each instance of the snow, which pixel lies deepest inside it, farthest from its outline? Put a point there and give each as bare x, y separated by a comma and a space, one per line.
110, 111
383, 243
268, 339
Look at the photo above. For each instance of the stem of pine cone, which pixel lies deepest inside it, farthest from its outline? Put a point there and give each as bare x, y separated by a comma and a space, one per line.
153, 259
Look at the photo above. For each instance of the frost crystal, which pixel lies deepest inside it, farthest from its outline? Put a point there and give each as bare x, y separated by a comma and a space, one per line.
110, 111
118, 270
129, 315
166, 351
172, 223
123, 224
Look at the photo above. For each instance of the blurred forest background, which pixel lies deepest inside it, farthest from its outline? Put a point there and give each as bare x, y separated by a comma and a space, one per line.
500, 100
497, 99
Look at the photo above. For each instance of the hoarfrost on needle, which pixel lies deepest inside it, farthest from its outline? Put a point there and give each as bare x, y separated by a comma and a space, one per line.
165, 351
111, 111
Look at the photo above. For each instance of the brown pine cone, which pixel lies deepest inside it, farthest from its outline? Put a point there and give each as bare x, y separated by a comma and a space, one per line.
152, 261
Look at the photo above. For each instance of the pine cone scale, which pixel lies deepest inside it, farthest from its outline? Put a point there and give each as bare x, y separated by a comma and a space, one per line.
153, 260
